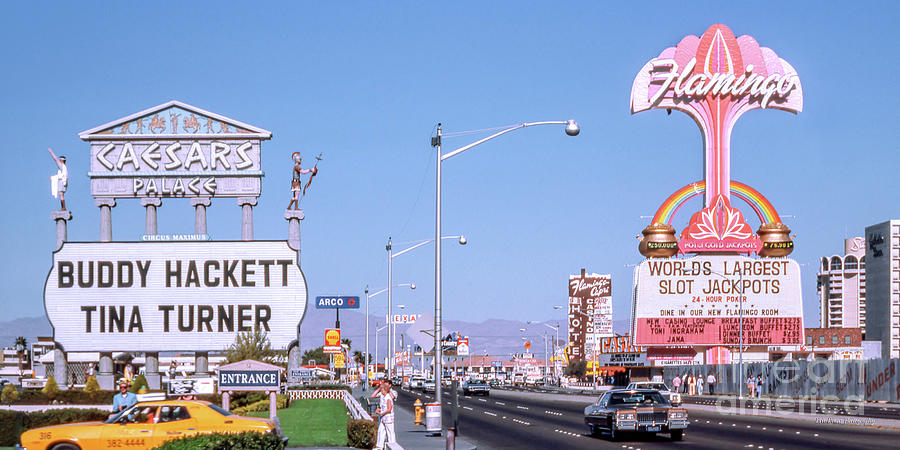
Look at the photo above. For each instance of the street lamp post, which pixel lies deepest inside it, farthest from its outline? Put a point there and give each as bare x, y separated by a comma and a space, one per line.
391, 256
555, 343
412, 286
572, 129
377, 330
740, 330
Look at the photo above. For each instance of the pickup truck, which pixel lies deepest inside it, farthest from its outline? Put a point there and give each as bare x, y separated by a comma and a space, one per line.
476, 387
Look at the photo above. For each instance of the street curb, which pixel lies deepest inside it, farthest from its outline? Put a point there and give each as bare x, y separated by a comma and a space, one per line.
818, 418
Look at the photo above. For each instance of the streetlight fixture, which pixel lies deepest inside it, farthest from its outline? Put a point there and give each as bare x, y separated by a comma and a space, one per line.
572, 129
594, 350
412, 286
377, 330
391, 255
555, 343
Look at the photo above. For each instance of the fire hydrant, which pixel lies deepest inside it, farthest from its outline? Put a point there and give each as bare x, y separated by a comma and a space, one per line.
419, 412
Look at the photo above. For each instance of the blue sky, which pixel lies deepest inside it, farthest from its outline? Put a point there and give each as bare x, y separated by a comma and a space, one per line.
365, 84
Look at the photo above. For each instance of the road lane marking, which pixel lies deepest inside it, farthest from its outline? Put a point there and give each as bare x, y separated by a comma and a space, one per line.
500, 403
553, 413
490, 413
521, 407
466, 407
482, 400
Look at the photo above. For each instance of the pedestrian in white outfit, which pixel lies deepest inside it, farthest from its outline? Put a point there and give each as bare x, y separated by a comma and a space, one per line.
386, 411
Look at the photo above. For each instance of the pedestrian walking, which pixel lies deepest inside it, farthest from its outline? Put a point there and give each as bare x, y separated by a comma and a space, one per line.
691, 385
751, 386
386, 412
759, 386
676, 384
711, 382
699, 384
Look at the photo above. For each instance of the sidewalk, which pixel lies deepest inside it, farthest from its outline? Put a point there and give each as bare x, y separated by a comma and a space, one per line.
412, 436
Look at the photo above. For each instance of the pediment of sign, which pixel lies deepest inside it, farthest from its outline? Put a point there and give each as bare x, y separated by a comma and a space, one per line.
174, 119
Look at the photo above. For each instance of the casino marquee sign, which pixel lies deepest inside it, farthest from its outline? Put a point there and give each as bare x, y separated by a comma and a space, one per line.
715, 78
161, 296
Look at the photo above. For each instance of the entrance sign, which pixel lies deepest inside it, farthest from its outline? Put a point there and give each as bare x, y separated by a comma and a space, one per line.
249, 375
162, 296
175, 150
696, 301
333, 302
715, 79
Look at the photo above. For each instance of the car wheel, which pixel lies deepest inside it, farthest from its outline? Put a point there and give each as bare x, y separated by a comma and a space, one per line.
64, 447
677, 435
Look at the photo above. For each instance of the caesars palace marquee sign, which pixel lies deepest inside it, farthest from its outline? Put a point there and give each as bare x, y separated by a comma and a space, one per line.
175, 150
185, 296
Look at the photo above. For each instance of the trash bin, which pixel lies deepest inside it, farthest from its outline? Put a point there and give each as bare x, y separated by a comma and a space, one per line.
370, 404
433, 419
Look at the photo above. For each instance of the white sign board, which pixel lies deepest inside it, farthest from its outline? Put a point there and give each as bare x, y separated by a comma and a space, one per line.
185, 296
697, 301
623, 359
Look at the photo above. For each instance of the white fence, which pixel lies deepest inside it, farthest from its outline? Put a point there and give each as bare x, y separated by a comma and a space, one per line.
855, 380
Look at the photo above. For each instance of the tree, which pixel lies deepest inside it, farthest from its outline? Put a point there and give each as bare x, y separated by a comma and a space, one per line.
346, 342
317, 354
51, 388
577, 369
91, 385
9, 395
140, 381
251, 345
359, 358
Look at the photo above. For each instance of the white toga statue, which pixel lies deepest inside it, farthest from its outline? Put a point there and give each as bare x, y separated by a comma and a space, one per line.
60, 181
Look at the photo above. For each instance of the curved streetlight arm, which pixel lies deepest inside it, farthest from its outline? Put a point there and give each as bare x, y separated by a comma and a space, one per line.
501, 133
382, 291
421, 243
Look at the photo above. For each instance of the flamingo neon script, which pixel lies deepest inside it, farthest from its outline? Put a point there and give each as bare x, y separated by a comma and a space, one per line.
715, 79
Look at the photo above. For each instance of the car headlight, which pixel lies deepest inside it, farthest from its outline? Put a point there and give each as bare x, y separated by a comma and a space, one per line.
625, 416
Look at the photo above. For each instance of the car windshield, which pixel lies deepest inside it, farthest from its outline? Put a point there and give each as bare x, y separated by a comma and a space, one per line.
637, 398
219, 410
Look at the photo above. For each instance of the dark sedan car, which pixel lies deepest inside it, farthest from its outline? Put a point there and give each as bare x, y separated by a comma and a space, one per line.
635, 410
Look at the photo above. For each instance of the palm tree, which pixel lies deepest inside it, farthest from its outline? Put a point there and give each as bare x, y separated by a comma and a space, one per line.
21, 345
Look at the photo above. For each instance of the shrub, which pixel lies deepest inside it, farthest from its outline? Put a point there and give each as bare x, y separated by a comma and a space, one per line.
9, 395
220, 441
138, 382
239, 399
51, 389
91, 386
14, 423
281, 402
361, 433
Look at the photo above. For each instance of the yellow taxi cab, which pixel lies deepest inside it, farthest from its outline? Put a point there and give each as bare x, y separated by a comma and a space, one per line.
146, 425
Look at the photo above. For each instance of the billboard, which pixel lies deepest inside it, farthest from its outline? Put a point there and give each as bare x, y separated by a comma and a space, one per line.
175, 150
162, 296
696, 301
590, 312
332, 341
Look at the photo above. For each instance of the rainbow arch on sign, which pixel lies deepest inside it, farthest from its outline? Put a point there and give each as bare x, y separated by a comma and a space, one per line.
761, 206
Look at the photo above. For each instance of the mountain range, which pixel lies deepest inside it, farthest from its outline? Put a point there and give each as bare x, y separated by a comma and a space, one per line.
495, 337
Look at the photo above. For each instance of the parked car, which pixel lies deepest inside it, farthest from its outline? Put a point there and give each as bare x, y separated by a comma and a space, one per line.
476, 387
146, 425
635, 410
673, 397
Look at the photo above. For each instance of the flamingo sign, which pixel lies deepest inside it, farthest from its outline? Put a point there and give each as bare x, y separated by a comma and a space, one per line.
715, 79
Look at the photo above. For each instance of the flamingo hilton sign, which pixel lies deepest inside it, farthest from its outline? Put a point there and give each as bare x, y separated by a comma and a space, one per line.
715, 79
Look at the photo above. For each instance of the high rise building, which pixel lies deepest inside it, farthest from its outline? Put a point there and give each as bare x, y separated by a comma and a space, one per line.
841, 285
883, 286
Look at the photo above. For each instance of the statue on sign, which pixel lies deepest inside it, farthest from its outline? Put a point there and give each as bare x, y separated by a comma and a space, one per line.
60, 181
296, 189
